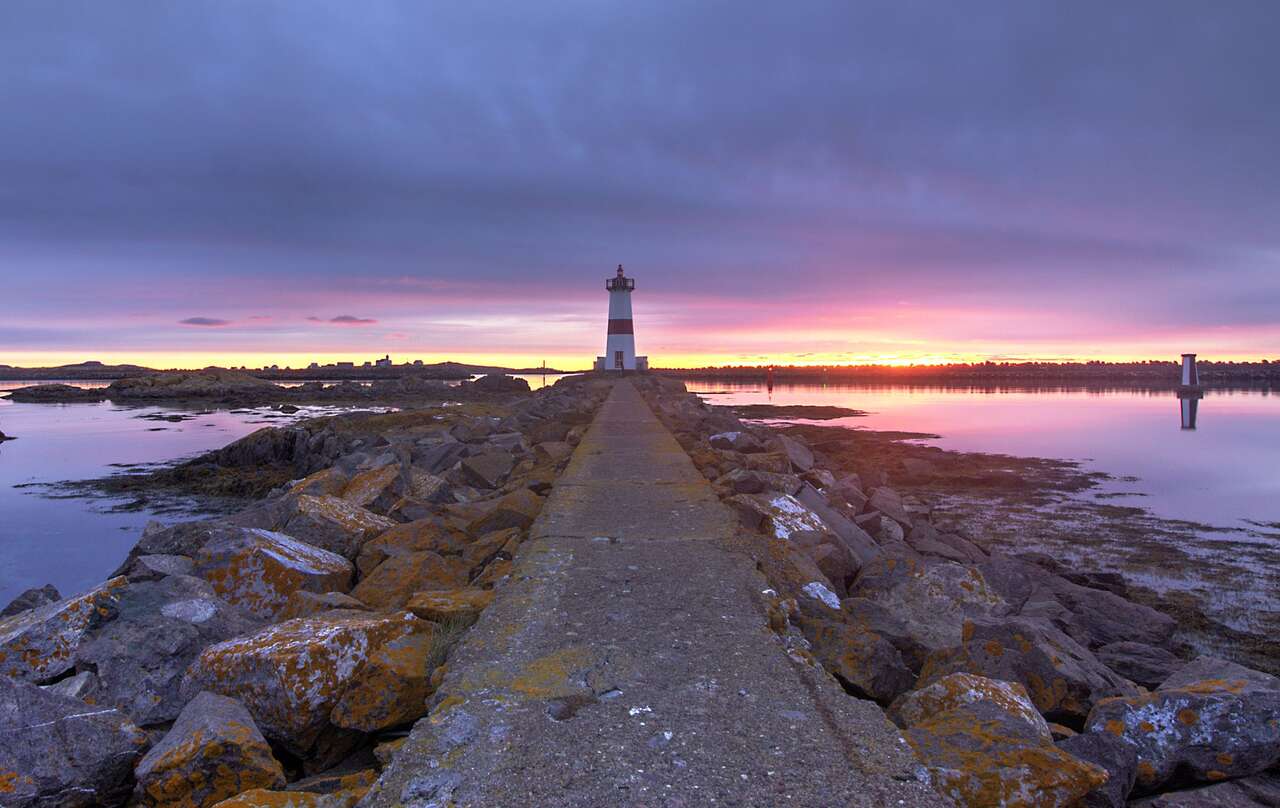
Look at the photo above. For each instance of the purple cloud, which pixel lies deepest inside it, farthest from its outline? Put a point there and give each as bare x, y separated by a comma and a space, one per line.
205, 321
344, 319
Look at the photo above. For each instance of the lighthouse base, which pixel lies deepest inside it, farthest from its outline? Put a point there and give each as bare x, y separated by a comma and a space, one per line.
602, 363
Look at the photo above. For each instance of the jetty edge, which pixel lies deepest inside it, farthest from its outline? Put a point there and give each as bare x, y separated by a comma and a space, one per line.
407, 623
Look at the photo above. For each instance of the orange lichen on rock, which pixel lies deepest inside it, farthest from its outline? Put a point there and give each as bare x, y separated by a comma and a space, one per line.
393, 582
40, 644
259, 570
462, 605
419, 536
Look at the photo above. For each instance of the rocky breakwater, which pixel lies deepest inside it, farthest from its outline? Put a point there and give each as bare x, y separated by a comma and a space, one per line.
279, 655
1014, 684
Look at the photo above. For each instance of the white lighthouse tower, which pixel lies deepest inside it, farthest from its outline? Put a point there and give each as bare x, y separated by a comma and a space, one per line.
620, 342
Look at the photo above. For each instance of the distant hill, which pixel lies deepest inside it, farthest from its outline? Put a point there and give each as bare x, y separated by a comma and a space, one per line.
97, 371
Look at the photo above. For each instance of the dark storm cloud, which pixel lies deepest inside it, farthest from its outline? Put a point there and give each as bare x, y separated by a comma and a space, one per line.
1014, 150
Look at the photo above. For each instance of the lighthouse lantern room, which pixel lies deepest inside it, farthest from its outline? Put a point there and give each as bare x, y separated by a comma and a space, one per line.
620, 341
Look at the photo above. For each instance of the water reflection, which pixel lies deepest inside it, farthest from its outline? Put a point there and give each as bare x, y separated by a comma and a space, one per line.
1189, 403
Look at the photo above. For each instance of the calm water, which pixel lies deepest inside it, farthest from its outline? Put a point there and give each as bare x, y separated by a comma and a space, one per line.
1223, 472
74, 543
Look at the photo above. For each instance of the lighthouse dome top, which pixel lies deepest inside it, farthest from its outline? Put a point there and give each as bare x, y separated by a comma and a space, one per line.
620, 282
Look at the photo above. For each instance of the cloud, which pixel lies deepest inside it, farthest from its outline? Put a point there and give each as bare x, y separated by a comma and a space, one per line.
344, 319
205, 321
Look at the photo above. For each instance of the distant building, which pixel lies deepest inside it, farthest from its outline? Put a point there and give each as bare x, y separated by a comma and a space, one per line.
348, 365
384, 362
417, 363
313, 366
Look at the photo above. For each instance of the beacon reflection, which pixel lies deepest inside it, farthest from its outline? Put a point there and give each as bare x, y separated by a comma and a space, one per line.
1189, 403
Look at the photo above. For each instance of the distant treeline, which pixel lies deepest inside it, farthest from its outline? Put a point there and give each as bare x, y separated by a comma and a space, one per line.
97, 371
1150, 373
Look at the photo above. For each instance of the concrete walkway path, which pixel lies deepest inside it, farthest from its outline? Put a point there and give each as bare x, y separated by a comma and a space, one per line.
628, 662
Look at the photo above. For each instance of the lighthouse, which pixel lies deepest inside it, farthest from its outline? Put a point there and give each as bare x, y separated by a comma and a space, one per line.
620, 340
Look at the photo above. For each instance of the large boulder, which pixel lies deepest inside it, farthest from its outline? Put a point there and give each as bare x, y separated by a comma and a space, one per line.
392, 687
421, 535
743, 442
1109, 752
517, 509
332, 524
487, 469
866, 664
372, 485
797, 453
1210, 721
857, 541
161, 626
1092, 617
1063, 678
395, 580
31, 599
57, 752
984, 746
1259, 791
451, 605
933, 598
291, 675
889, 502
1147, 665
501, 384
39, 645
779, 515
258, 570
214, 751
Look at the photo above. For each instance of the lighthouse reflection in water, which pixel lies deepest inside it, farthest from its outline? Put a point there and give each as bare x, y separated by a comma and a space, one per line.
1189, 404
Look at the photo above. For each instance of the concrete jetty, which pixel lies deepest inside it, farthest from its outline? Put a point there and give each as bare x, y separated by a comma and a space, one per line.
629, 661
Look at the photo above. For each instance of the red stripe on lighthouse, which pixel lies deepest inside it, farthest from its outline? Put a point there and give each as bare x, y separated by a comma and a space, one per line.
619, 327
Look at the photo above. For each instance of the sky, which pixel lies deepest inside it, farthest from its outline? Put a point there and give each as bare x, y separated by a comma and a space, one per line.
253, 182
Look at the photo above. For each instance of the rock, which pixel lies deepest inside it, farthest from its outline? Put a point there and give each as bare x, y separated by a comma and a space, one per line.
926, 540
82, 686
161, 626
367, 487
451, 605
1261, 791
392, 687
262, 798
422, 486
889, 503
820, 478
517, 509
308, 604
797, 453
31, 599
871, 616
326, 482
439, 457
395, 580
983, 744
1212, 720
42, 393
857, 541
1092, 617
552, 451
207, 383
421, 535
1144, 664
291, 675
487, 470
259, 570
1063, 678
772, 462
833, 560
933, 598
495, 573
333, 524
1110, 753
157, 566
56, 751
1059, 732
782, 514
484, 549
887, 531
39, 645
500, 383
214, 751
743, 442
866, 664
